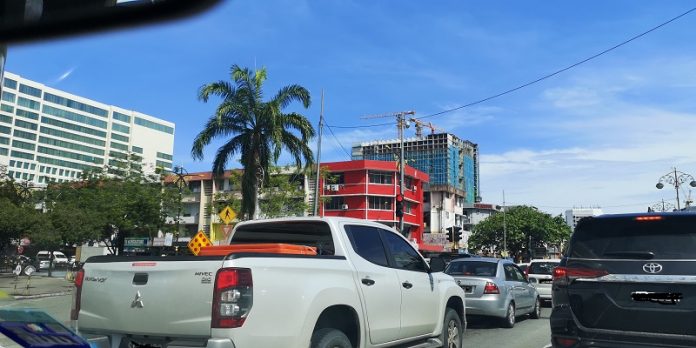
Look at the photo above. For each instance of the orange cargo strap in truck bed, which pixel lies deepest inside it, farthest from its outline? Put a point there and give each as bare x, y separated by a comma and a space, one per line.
264, 248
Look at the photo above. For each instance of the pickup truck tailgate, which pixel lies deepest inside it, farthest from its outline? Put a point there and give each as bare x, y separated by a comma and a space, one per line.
166, 297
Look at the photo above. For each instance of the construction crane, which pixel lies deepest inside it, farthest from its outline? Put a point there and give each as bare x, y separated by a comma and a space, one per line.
420, 124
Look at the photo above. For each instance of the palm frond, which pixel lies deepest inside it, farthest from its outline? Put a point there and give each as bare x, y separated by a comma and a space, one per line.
292, 93
222, 89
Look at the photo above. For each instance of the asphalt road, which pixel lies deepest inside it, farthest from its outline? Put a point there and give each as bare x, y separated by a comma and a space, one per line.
527, 333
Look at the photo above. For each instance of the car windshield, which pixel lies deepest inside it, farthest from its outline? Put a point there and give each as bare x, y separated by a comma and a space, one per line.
545, 268
472, 268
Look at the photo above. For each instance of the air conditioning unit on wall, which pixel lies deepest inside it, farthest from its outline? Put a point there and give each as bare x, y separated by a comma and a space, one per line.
344, 206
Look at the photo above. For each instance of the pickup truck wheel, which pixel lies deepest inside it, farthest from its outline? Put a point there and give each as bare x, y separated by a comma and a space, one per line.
509, 320
330, 338
451, 336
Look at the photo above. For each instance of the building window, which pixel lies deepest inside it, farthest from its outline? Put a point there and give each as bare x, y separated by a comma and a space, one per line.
28, 103
163, 164
380, 203
164, 156
119, 146
25, 124
137, 149
74, 127
34, 92
334, 203
120, 128
381, 178
8, 97
75, 105
152, 125
66, 135
19, 154
27, 114
72, 116
408, 183
71, 146
408, 206
7, 108
119, 137
6, 119
9, 83
121, 117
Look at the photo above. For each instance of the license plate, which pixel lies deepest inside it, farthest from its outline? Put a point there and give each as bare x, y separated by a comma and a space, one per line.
665, 298
545, 281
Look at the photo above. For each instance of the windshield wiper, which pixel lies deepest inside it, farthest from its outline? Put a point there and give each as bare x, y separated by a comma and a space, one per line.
643, 255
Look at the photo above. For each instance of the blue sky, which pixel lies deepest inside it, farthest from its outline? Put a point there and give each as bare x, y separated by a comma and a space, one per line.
601, 134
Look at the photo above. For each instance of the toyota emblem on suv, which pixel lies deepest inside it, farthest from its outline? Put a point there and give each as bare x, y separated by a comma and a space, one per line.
652, 267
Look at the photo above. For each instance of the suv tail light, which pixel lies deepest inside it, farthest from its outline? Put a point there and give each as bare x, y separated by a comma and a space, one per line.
568, 274
77, 294
491, 288
232, 297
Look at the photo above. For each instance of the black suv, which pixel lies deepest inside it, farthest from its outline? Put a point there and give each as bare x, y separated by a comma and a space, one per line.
627, 281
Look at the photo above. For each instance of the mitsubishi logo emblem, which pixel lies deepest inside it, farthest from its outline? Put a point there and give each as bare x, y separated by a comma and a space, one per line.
138, 301
652, 267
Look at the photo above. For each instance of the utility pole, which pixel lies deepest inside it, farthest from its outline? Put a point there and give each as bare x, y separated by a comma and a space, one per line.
316, 181
504, 227
401, 124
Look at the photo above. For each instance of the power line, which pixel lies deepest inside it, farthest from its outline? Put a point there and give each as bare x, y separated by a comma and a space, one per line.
336, 138
545, 77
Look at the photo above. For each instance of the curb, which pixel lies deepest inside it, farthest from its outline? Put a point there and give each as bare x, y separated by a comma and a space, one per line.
53, 294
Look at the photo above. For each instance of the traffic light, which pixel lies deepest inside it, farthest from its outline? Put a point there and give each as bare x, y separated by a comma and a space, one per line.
454, 234
399, 205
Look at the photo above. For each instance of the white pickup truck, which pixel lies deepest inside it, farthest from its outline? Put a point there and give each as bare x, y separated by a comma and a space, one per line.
365, 287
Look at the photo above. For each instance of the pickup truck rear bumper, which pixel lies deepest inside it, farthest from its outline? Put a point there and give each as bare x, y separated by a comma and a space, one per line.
104, 342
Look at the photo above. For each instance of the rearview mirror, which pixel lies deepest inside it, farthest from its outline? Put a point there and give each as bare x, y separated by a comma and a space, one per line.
22, 20
437, 264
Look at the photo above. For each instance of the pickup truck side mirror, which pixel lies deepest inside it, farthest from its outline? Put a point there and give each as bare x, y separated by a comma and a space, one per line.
437, 264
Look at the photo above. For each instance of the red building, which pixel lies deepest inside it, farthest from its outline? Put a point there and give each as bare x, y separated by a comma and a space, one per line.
367, 189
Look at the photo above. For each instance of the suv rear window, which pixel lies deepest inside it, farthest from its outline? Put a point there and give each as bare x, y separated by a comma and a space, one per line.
542, 267
472, 268
673, 237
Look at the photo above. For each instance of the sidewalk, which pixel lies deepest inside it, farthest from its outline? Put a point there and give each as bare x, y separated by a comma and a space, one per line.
19, 288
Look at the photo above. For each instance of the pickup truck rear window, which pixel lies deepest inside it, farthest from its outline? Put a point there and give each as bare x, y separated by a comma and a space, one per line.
628, 238
310, 233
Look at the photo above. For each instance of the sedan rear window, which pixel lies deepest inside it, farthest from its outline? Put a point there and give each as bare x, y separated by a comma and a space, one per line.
542, 267
472, 268
672, 237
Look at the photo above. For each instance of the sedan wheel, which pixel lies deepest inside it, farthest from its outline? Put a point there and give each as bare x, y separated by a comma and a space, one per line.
536, 313
509, 320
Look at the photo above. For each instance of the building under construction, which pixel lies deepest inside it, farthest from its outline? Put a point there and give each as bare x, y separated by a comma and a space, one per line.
451, 163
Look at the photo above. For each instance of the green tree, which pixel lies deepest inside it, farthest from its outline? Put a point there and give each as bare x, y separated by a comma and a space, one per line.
523, 223
259, 130
283, 196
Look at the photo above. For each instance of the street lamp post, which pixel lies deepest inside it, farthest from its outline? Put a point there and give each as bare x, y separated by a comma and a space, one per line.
180, 182
662, 206
676, 178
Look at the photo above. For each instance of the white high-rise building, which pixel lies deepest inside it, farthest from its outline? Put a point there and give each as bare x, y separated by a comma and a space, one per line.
51, 135
572, 216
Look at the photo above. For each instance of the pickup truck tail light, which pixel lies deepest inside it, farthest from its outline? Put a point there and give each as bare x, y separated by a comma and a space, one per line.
77, 294
232, 297
565, 275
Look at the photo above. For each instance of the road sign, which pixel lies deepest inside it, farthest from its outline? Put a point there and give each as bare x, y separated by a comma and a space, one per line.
227, 229
227, 215
199, 241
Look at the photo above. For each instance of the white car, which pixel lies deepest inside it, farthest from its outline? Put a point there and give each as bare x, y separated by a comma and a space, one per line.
58, 259
540, 274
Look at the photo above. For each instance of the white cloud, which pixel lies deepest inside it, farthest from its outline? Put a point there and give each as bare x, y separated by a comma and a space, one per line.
64, 75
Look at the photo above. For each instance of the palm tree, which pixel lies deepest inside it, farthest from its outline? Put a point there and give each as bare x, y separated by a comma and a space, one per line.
259, 130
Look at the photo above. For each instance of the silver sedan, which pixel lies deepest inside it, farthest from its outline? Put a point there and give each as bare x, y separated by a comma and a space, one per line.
495, 288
